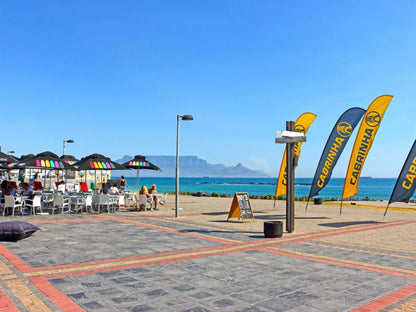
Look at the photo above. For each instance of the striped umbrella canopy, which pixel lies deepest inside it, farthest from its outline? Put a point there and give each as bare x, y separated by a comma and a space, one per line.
140, 162
7, 161
69, 159
45, 160
97, 162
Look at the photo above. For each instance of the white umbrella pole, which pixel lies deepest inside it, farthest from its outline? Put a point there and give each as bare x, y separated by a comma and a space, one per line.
137, 179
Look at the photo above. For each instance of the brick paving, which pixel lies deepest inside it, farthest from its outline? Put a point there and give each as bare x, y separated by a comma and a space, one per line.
155, 262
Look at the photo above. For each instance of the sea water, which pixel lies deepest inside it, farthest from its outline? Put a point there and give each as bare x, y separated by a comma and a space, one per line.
369, 188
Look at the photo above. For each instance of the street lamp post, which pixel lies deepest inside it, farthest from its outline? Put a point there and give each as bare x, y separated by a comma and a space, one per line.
178, 118
66, 141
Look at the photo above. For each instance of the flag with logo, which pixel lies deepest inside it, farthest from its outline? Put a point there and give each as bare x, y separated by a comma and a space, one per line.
363, 142
335, 144
406, 182
302, 124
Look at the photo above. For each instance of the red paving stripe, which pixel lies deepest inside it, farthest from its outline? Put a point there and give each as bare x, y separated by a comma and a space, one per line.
338, 263
115, 260
136, 265
6, 304
388, 300
57, 297
13, 259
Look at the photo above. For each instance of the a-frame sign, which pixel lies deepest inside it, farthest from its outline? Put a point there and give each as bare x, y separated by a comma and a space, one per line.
240, 207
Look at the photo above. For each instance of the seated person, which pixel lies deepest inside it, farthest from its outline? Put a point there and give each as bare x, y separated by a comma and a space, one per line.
114, 189
60, 187
13, 189
105, 189
144, 191
28, 190
154, 191
21, 183
3, 189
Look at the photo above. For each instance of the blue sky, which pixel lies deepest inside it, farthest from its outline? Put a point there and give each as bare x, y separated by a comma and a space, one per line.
113, 75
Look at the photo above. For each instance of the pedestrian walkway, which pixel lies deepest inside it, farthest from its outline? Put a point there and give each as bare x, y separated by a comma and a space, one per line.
136, 262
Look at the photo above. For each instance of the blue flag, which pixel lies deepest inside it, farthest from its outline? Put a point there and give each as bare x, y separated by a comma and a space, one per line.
334, 146
406, 182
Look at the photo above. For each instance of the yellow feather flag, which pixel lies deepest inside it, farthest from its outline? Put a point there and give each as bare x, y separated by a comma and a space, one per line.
302, 124
365, 137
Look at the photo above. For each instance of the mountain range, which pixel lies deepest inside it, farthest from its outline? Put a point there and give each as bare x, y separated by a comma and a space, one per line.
190, 166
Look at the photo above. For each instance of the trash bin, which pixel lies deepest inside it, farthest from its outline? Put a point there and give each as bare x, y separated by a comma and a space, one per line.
317, 201
273, 229
92, 185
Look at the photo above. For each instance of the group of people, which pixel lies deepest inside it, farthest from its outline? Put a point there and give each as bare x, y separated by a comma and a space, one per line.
10, 188
149, 193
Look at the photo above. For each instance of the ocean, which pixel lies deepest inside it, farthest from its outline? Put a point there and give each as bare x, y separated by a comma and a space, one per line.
368, 189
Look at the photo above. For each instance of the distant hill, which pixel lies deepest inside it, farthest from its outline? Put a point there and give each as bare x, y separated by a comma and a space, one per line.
189, 166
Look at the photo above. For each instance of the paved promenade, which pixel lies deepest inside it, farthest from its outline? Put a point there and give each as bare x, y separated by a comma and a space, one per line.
151, 261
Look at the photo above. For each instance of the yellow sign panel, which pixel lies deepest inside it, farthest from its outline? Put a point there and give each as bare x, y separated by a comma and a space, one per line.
240, 207
302, 125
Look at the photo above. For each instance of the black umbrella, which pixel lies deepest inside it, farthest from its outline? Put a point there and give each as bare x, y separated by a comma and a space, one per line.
7, 162
6, 159
70, 160
140, 162
46, 160
97, 162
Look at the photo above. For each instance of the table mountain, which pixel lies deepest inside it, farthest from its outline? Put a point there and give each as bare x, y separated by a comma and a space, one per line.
190, 166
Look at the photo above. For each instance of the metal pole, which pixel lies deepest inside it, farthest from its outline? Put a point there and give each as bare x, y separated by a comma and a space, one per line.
177, 169
63, 152
290, 182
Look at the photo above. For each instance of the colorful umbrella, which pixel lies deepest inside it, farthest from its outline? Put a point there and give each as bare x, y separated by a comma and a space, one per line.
139, 162
97, 162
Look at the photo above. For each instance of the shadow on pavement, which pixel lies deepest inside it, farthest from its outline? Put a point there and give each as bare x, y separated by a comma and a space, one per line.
344, 224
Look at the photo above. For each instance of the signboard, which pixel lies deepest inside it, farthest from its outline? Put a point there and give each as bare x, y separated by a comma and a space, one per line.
240, 207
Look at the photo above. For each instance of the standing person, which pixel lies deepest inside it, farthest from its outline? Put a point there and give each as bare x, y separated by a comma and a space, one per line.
123, 183
31, 182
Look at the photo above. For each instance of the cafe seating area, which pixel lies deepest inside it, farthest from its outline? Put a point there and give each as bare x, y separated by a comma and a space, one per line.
51, 201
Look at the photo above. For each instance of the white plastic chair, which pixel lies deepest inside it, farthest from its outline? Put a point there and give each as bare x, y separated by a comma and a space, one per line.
88, 202
11, 202
130, 200
163, 200
146, 201
104, 201
34, 203
120, 203
61, 202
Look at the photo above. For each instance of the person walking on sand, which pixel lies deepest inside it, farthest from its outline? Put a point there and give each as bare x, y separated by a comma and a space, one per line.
123, 183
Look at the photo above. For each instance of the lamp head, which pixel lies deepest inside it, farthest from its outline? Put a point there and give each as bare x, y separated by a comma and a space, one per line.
69, 141
187, 117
